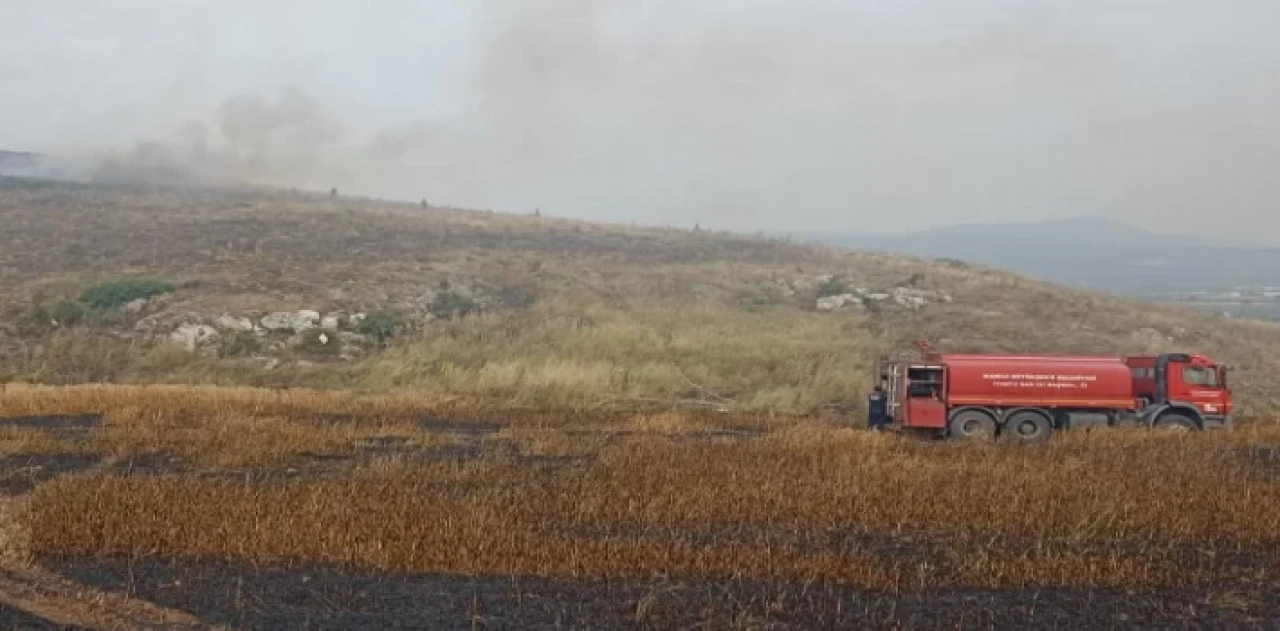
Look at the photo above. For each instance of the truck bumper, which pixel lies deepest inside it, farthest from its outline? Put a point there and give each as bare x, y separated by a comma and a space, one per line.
1218, 422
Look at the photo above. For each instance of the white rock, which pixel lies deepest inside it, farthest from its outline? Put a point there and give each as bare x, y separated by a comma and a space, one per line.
912, 302
297, 321
231, 323
831, 303
916, 298
135, 307
909, 298
192, 336
330, 323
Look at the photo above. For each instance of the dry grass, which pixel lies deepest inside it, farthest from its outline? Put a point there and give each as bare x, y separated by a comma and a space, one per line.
234, 428
639, 496
213, 427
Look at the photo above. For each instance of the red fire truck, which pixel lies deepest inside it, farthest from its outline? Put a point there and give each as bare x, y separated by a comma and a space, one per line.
1026, 397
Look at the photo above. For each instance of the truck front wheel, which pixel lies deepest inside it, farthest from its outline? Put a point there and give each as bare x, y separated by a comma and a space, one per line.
1027, 427
973, 424
1177, 422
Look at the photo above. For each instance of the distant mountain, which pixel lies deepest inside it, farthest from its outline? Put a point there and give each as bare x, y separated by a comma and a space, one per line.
19, 163
1088, 251
1096, 231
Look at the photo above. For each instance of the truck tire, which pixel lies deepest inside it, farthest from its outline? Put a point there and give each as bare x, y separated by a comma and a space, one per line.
1027, 426
972, 425
1177, 422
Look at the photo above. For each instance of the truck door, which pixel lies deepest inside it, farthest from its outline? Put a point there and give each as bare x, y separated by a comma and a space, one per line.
926, 397
1201, 385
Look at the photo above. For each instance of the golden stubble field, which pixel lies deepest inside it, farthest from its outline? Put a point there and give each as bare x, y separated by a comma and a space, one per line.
403, 484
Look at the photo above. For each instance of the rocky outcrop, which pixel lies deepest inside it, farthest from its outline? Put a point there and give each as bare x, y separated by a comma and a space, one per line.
913, 298
296, 322
459, 299
322, 334
193, 336
900, 297
832, 303
232, 323
796, 286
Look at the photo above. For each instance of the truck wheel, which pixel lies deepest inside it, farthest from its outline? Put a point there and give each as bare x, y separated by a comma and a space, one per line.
1027, 427
1176, 422
973, 424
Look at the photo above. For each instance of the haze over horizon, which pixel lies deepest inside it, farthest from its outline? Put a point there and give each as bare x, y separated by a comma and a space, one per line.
853, 117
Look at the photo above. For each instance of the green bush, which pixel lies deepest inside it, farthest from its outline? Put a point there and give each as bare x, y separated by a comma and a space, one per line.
381, 326
120, 293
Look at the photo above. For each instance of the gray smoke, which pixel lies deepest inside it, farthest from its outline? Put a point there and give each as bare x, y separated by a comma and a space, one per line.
804, 115
252, 139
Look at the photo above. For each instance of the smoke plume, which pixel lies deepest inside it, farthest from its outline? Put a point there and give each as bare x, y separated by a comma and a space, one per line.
810, 115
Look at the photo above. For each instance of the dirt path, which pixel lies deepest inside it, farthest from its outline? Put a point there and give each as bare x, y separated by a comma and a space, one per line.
31, 589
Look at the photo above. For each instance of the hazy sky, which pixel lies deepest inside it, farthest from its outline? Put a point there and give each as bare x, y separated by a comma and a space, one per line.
847, 115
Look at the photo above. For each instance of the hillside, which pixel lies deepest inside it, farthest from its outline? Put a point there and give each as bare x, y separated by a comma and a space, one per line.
146, 287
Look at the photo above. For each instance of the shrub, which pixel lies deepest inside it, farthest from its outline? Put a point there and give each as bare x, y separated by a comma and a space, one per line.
834, 287
381, 326
120, 293
240, 344
34, 322
454, 305
40, 320
67, 313
754, 299
319, 342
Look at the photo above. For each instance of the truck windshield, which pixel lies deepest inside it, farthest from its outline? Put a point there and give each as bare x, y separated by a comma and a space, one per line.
1200, 376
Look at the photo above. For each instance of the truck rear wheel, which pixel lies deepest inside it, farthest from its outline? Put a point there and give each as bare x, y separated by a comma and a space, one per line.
1176, 422
973, 424
1027, 427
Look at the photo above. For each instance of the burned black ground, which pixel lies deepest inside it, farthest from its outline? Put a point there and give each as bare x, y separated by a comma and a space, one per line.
311, 597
